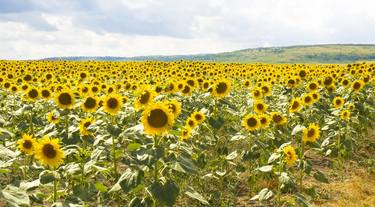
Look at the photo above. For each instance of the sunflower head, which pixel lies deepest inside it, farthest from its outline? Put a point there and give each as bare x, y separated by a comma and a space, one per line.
174, 106
84, 124
251, 122
221, 88
157, 119
185, 134
311, 133
112, 104
65, 99
198, 116
264, 120
191, 123
90, 104
338, 102
358, 85
278, 118
295, 105
144, 96
27, 144
260, 107
345, 114
49, 152
290, 155
53, 118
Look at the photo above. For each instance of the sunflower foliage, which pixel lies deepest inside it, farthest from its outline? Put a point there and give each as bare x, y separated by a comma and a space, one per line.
176, 133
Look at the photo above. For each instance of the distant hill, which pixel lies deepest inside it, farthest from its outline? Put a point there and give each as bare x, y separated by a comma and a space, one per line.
332, 53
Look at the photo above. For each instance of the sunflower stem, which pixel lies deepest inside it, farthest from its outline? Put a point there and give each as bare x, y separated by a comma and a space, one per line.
301, 166
114, 149
54, 190
31, 123
67, 125
279, 184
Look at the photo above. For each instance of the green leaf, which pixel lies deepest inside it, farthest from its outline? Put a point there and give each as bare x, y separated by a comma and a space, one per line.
165, 192
85, 192
266, 168
15, 196
133, 146
187, 164
197, 196
273, 157
101, 187
129, 180
297, 129
301, 200
232, 155
29, 185
46, 177
319, 176
145, 202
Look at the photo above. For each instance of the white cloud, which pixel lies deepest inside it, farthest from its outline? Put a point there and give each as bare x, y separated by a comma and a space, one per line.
166, 27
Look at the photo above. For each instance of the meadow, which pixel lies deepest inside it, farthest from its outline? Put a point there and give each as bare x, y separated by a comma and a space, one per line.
184, 133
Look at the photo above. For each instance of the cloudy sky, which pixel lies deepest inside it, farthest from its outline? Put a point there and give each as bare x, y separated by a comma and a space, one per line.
31, 29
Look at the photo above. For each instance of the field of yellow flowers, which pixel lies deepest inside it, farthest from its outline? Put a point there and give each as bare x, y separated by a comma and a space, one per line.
176, 133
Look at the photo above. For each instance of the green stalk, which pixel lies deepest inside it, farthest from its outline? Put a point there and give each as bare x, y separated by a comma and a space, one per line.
114, 155
301, 165
67, 125
114, 149
54, 190
31, 124
156, 163
279, 184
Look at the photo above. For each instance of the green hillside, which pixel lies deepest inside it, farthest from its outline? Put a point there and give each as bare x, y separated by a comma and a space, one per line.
335, 53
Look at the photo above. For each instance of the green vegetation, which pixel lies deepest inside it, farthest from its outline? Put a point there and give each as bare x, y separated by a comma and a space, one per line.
335, 53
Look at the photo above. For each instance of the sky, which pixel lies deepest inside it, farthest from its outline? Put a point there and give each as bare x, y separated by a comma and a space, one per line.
33, 29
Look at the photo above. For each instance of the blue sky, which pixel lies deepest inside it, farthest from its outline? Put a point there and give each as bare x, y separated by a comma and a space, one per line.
44, 28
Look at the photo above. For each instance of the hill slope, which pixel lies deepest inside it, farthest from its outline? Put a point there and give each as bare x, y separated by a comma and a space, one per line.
334, 53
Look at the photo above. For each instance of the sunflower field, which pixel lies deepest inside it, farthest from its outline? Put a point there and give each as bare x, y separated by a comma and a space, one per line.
177, 133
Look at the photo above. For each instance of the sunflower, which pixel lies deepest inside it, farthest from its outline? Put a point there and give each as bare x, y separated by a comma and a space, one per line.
295, 105
112, 104
185, 134
260, 107
174, 106
191, 123
144, 96
315, 95
46, 93
53, 118
290, 155
313, 86
251, 122
27, 144
264, 120
65, 99
266, 89
345, 114
307, 99
157, 119
338, 102
49, 152
198, 116
90, 104
311, 133
221, 88
351, 106
278, 118
358, 85
84, 124
257, 93
32, 94
345, 82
